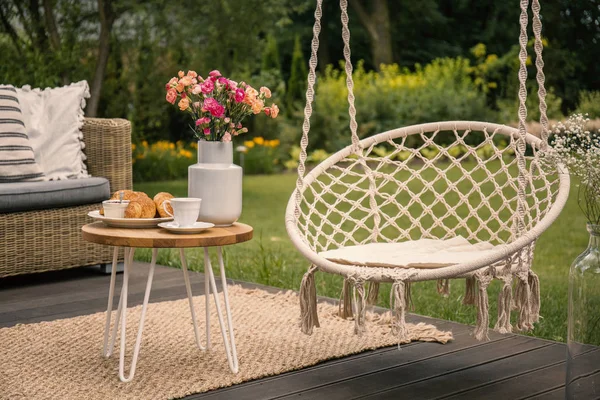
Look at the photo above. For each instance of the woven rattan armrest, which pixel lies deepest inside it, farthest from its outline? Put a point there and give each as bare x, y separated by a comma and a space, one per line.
108, 150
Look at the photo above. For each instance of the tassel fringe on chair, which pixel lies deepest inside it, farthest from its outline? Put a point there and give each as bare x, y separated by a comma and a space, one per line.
345, 304
309, 317
522, 302
469, 298
360, 307
373, 293
481, 300
443, 287
504, 304
399, 303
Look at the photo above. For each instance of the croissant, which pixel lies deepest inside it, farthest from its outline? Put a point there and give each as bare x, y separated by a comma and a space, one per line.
148, 206
159, 199
133, 210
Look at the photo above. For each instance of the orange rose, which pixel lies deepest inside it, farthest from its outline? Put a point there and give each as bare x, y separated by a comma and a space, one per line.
184, 104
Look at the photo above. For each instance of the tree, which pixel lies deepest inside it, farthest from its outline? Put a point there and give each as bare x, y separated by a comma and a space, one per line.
108, 16
377, 24
271, 54
297, 83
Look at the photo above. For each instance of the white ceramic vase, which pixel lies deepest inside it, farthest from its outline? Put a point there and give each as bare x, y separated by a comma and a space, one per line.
218, 182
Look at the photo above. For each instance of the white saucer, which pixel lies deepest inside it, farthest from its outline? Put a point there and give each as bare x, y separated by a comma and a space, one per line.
196, 228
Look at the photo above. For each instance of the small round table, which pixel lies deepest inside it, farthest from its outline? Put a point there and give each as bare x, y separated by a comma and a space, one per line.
156, 238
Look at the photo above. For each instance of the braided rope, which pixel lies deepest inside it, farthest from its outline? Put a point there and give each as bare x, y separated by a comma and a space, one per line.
539, 63
521, 145
310, 93
349, 80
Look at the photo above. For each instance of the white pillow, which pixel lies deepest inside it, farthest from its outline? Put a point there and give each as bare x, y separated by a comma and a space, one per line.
53, 119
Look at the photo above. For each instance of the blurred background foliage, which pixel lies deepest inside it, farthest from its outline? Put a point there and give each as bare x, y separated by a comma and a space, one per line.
415, 61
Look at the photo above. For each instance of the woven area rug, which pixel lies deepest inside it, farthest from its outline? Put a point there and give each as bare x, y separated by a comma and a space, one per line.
62, 359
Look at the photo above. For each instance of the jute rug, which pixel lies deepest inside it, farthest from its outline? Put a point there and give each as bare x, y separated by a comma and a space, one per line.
62, 359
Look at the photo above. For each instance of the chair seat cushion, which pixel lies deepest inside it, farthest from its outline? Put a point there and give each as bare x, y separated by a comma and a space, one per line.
422, 253
29, 196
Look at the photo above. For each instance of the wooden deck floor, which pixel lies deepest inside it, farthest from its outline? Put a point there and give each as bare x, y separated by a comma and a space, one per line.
506, 367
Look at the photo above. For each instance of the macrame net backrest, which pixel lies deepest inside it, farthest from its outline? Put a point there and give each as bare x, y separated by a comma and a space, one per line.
482, 181
395, 192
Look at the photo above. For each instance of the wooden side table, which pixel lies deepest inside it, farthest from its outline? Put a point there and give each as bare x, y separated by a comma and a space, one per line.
156, 238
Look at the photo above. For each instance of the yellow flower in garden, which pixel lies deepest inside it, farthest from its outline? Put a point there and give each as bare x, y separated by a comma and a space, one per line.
274, 143
132, 146
145, 143
259, 140
194, 145
171, 146
185, 153
249, 144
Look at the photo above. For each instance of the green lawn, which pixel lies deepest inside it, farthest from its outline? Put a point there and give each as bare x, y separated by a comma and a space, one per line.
271, 259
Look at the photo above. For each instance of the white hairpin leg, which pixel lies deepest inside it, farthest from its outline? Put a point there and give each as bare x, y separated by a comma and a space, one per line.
231, 351
121, 318
191, 301
111, 292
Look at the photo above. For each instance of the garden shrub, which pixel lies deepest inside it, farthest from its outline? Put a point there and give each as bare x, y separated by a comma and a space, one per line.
260, 156
394, 97
589, 103
162, 160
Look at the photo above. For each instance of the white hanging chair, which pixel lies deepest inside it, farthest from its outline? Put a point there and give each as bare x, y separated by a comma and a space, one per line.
400, 217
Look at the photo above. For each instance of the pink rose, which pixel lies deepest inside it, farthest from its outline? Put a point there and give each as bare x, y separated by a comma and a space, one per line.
213, 106
274, 111
214, 74
227, 137
172, 96
197, 89
181, 74
266, 91
198, 122
172, 83
224, 81
204, 120
239, 95
207, 86
192, 74
206, 131
267, 111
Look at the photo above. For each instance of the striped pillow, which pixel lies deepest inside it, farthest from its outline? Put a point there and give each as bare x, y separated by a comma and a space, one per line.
17, 160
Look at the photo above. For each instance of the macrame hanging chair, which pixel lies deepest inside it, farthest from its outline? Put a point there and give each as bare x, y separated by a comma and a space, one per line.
401, 217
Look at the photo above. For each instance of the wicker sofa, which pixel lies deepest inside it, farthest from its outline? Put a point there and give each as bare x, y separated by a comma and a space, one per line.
50, 239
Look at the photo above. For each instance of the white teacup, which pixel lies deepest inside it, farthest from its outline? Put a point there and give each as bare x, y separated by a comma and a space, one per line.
115, 208
185, 210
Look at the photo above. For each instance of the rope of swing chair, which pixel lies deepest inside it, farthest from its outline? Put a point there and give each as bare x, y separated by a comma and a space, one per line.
522, 94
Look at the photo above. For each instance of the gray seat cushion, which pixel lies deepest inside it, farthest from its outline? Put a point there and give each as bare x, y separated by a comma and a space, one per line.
29, 196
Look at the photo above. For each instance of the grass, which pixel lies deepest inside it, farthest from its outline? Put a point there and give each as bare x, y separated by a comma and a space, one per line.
271, 259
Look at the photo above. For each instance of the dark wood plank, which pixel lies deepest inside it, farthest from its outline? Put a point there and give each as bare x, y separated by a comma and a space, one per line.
419, 370
552, 394
526, 385
460, 382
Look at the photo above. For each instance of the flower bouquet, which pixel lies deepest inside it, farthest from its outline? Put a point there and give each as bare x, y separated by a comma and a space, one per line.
218, 105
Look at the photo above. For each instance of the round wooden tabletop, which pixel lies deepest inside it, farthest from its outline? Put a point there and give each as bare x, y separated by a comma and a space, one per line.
97, 232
